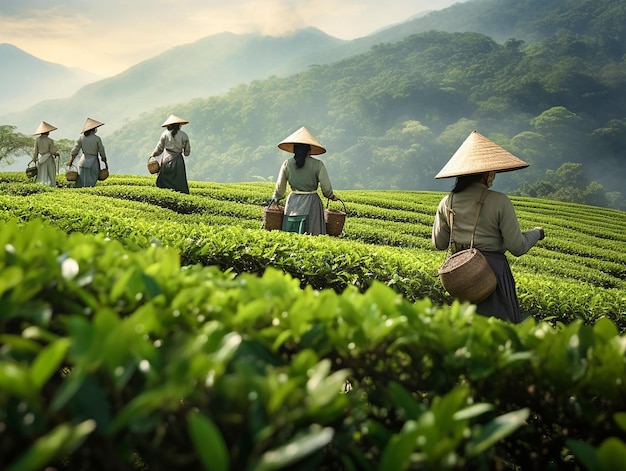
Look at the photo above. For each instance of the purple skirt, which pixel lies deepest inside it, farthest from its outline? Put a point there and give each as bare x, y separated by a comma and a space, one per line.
503, 302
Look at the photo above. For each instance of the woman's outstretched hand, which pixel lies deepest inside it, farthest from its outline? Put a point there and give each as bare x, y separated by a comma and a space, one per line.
542, 233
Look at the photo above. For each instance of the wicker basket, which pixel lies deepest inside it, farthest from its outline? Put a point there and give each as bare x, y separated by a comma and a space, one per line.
153, 165
31, 169
335, 219
71, 175
467, 276
273, 217
103, 174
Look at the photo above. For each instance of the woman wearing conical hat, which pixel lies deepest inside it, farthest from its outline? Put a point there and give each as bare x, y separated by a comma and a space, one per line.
173, 145
497, 229
44, 155
304, 211
92, 149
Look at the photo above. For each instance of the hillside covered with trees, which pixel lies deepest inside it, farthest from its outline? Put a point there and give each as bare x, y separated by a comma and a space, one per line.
546, 80
391, 118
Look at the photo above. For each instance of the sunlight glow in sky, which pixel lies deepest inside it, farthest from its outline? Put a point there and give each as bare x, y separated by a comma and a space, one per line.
107, 37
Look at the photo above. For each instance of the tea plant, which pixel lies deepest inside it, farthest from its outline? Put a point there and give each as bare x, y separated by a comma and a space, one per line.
572, 274
118, 358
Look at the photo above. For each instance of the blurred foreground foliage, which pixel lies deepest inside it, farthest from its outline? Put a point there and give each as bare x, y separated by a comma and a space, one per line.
119, 358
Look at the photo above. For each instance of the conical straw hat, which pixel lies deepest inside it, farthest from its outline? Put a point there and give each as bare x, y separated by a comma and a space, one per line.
173, 119
302, 136
91, 124
44, 127
477, 155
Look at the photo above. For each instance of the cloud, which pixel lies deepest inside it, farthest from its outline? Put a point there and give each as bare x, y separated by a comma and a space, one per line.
270, 17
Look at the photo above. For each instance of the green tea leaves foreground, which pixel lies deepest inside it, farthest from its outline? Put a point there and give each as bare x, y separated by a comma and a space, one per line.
138, 326
115, 358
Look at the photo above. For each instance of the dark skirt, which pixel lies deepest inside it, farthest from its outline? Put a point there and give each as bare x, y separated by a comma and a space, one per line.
87, 175
503, 302
173, 174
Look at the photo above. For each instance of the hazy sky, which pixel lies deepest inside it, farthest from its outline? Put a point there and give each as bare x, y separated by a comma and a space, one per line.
106, 37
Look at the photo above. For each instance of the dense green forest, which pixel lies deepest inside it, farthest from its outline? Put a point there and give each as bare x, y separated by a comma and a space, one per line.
391, 118
531, 20
545, 80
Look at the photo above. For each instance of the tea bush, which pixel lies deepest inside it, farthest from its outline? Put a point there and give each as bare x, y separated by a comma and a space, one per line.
114, 358
145, 329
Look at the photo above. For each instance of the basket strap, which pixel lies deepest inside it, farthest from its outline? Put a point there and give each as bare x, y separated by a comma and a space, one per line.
480, 203
451, 244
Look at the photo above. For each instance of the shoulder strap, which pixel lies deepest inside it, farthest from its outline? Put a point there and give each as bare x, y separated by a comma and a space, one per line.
451, 244
480, 203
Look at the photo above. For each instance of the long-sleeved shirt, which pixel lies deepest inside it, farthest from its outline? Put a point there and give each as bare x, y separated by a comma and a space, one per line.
304, 179
43, 145
178, 144
91, 145
497, 230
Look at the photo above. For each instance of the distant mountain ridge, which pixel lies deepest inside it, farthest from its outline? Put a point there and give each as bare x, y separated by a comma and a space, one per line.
213, 65
528, 20
209, 66
385, 100
27, 80
392, 117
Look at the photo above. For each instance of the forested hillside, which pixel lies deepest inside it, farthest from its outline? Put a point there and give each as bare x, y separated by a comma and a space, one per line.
391, 118
546, 80
528, 20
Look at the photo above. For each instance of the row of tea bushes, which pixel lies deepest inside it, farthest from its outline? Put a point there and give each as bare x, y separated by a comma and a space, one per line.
552, 283
114, 358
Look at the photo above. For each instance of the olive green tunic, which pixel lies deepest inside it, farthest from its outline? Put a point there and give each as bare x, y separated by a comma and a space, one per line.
497, 231
304, 199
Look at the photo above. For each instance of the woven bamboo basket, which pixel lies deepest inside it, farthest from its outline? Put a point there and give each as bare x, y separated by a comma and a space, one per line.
71, 175
103, 174
273, 217
467, 276
335, 219
153, 165
31, 169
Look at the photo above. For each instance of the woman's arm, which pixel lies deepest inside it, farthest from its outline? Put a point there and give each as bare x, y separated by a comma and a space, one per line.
281, 183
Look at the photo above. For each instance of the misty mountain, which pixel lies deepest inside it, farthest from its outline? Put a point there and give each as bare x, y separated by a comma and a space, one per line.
215, 64
529, 21
27, 80
393, 116
392, 107
206, 67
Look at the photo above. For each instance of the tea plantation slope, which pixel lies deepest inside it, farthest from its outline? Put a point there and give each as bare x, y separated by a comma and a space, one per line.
577, 272
120, 359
